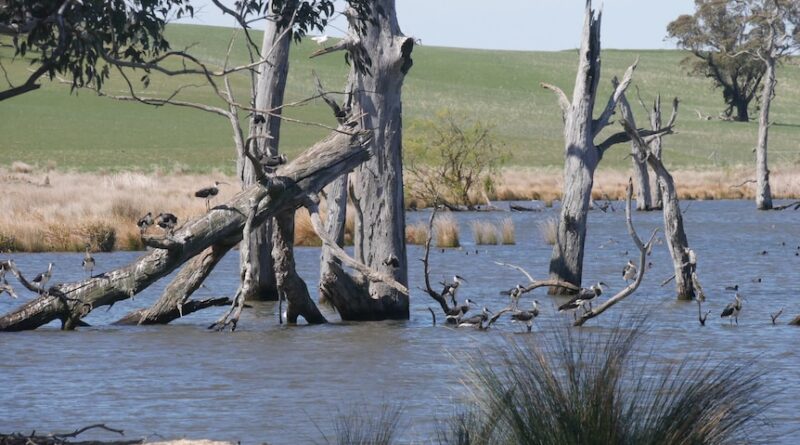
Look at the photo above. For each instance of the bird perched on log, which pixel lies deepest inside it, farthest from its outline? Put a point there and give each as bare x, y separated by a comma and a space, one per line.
450, 288
629, 272
526, 316
476, 320
88, 262
167, 221
454, 314
41, 280
584, 296
733, 309
145, 222
209, 192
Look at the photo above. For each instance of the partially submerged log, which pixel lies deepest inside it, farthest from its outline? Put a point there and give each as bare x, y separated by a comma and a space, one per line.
338, 153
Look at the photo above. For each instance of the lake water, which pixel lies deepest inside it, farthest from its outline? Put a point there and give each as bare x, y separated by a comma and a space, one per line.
270, 383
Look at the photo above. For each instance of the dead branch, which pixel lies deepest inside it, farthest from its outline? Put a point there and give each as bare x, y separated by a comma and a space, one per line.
643, 249
795, 204
603, 120
338, 252
775, 316
518, 268
426, 267
745, 182
563, 102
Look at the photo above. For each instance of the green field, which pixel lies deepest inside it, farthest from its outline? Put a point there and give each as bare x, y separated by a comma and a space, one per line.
85, 132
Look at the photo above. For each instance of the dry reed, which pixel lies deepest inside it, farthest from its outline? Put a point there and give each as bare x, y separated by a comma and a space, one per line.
446, 230
507, 231
548, 230
417, 233
484, 232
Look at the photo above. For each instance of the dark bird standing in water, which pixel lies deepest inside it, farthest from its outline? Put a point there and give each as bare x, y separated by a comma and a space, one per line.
733, 309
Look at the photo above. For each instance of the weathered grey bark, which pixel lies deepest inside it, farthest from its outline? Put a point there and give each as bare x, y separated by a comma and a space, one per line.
381, 56
657, 202
582, 155
265, 137
763, 192
641, 178
336, 204
173, 302
682, 259
308, 174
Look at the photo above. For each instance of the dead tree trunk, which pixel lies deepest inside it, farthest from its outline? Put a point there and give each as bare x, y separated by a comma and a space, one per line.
657, 202
582, 155
381, 56
264, 137
763, 192
682, 258
641, 177
308, 174
174, 301
336, 204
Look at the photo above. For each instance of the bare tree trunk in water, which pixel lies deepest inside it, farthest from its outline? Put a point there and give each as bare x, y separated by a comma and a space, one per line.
265, 137
763, 192
336, 204
682, 258
381, 56
582, 155
655, 150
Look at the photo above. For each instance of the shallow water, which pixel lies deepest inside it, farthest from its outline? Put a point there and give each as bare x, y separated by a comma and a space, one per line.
270, 383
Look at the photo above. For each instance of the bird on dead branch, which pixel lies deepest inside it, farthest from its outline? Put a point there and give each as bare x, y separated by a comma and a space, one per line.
630, 271
41, 280
451, 288
476, 320
5, 287
209, 192
88, 262
584, 296
167, 221
454, 314
733, 309
145, 222
526, 316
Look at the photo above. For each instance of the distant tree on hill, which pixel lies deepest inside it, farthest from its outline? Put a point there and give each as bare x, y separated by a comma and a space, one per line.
716, 32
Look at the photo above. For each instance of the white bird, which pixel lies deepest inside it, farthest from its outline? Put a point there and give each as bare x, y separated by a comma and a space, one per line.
629, 272
733, 309
454, 315
584, 296
320, 39
5, 287
88, 262
476, 320
451, 288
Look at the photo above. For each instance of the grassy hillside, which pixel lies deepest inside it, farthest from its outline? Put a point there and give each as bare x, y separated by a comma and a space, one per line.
86, 132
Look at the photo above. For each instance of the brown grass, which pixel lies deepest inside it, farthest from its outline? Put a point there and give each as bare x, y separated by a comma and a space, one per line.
446, 230
484, 232
548, 230
417, 233
507, 234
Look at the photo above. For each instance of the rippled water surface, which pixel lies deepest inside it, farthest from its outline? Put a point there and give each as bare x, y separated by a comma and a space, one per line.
270, 383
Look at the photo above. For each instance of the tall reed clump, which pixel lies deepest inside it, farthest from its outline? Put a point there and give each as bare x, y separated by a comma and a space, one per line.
576, 388
417, 233
362, 427
446, 230
484, 232
507, 234
548, 230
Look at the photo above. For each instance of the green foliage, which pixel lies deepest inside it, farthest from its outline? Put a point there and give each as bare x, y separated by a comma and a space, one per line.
449, 157
728, 40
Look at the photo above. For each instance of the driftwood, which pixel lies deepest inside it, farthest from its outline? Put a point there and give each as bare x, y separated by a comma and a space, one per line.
644, 249
582, 154
64, 438
340, 152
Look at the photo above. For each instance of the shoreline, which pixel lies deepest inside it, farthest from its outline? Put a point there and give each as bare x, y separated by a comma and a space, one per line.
54, 211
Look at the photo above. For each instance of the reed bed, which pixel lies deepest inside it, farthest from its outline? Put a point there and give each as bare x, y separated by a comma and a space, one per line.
484, 232
417, 233
548, 230
507, 233
446, 230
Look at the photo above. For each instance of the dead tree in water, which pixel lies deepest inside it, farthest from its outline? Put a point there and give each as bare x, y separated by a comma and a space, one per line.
582, 154
644, 249
308, 174
682, 257
380, 56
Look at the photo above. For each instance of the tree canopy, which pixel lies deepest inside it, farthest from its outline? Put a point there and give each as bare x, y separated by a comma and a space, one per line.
725, 37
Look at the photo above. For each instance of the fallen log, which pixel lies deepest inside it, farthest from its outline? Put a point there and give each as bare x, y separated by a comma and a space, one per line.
338, 153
